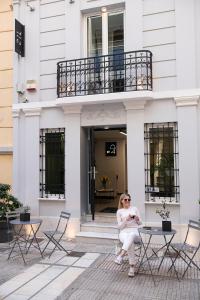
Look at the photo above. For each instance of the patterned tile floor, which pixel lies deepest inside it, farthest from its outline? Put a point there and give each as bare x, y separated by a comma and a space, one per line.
106, 280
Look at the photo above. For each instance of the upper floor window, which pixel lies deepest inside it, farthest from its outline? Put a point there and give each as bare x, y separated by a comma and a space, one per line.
52, 163
161, 162
105, 34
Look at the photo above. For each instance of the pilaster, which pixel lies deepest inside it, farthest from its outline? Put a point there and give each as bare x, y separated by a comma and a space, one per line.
135, 153
32, 138
16, 152
188, 140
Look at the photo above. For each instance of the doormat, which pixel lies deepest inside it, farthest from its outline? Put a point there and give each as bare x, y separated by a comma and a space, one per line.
76, 253
111, 210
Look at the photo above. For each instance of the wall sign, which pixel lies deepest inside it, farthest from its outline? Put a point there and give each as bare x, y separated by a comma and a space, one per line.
19, 38
111, 148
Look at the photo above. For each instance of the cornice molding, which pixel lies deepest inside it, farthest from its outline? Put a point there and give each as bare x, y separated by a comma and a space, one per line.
134, 105
6, 150
186, 101
15, 113
72, 109
32, 112
16, 2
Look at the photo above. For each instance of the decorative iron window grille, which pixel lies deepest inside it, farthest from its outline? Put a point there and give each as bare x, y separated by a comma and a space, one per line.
161, 162
52, 163
118, 72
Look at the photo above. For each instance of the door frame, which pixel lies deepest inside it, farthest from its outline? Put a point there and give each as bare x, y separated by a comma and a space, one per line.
92, 163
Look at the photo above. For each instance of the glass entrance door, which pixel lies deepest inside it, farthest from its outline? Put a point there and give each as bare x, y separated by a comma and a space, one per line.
107, 168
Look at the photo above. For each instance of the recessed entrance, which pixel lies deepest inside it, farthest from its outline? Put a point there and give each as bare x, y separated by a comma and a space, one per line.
107, 168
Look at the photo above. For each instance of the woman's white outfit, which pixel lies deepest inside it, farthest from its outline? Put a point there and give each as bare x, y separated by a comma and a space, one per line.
128, 230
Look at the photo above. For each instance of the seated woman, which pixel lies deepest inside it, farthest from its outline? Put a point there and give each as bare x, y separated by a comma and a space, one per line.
128, 219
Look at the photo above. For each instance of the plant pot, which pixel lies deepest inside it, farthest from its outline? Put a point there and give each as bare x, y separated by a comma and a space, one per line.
166, 225
25, 217
6, 233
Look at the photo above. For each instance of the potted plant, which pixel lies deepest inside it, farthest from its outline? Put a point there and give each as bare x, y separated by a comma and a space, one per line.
104, 180
8, 203
164, 214
25, 214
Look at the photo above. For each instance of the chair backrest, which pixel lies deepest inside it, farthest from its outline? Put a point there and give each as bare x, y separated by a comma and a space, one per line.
12, 214
192, 225
64, 216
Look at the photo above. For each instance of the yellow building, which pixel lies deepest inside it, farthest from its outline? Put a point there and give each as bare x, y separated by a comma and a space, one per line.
6, 90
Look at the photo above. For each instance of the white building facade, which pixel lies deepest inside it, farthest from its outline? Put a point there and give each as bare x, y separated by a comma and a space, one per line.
99, 74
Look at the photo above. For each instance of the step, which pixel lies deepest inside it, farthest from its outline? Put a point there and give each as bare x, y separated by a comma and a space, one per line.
103, 218
99, 227
101, 238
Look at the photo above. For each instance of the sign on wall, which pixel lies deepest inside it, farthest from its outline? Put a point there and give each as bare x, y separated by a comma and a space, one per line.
19, 38
111, 148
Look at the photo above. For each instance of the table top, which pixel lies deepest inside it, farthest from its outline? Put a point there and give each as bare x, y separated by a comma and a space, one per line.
31, 222
155, 231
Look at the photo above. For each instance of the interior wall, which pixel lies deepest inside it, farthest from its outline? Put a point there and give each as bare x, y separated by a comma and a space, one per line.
111, 166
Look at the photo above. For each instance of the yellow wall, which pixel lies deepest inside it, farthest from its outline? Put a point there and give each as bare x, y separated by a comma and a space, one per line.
6, 77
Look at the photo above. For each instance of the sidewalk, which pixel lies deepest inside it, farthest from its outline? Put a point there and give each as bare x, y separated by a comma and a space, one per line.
89, 273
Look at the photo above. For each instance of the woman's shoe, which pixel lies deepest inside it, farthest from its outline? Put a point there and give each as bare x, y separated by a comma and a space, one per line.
131, 272
118, 260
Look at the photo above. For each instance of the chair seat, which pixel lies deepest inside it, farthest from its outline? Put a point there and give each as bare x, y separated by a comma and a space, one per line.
184, 247
52, 232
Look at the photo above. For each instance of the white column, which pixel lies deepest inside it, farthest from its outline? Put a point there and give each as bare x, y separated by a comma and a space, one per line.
188, 157
72, 167
32, 142
16, 152
135, 153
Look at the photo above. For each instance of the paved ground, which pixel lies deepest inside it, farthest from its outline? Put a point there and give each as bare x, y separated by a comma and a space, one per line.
90, 273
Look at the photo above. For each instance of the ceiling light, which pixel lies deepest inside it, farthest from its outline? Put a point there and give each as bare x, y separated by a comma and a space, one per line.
103, 9
106, 127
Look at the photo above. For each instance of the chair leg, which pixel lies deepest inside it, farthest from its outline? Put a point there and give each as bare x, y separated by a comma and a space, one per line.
190, 262
57, 245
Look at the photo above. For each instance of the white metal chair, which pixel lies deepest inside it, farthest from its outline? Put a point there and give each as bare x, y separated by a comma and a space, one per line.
186, 251
10, 216
55, 236
137, 242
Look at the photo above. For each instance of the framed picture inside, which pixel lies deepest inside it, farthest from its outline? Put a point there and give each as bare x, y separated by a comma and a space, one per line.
111, 148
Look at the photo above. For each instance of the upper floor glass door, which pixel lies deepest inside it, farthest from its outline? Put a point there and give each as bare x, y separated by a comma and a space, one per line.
105, 34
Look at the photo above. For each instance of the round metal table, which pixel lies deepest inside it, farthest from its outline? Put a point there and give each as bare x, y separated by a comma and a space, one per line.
154, 231
22, 238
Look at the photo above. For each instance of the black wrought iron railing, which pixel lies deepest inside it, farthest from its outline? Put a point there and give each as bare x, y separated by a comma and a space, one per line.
120, 72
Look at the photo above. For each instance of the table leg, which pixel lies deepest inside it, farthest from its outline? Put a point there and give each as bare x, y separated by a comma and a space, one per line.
147, 258
167, 244
35, 239
17, 241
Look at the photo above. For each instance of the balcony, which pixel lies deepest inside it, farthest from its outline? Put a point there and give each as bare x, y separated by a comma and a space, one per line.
120, 72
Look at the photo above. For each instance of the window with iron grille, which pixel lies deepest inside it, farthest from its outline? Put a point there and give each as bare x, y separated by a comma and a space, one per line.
52, 163
161, 162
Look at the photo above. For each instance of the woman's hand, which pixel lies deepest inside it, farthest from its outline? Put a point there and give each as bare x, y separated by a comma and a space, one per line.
137, 219
129, 218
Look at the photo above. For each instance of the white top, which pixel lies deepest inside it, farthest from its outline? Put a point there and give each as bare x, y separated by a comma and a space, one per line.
123, 213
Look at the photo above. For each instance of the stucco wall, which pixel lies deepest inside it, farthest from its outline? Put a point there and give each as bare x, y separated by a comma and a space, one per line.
6, 88
59, 33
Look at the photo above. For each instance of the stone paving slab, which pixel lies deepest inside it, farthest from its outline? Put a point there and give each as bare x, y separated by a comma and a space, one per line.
48, 278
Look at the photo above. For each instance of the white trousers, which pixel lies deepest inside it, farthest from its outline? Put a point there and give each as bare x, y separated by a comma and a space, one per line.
127, 239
